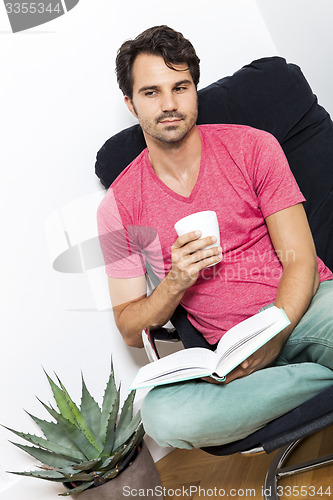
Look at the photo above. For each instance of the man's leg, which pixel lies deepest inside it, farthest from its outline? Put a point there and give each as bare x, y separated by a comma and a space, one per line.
198, 414
312, 339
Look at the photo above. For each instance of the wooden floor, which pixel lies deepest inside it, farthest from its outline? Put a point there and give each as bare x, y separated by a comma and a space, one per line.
194, 474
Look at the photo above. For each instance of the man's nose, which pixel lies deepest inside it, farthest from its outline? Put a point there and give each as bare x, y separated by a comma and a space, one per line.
169, 102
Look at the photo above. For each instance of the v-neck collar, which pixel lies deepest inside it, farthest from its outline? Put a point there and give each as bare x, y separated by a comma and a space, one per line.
169, 191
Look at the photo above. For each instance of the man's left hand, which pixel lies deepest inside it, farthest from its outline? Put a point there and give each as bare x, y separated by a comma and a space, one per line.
262, 358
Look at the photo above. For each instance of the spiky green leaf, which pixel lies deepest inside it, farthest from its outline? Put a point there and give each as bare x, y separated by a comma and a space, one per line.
123, 434
81, 422
116, 457
54, 432
61, 400
75, 434
50, 475
90, 464
66, 470
110, 431
126, 412
122, 457
90, 410
46, 457
138, 436
124, 450
111, 474
110, 404
53, 446
78, 476
78, 489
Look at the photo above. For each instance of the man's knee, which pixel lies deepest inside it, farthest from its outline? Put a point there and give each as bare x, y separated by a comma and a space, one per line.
155, 420
161, 421
311, 339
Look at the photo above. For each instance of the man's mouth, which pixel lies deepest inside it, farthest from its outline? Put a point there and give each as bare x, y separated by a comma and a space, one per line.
170, 120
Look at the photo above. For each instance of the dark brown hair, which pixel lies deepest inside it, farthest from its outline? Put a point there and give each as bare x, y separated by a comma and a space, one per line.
159, 40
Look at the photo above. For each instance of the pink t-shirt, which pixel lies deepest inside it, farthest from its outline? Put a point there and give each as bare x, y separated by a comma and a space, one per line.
244, 177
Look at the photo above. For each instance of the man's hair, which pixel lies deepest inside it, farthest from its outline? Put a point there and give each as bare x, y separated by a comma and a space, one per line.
161, 41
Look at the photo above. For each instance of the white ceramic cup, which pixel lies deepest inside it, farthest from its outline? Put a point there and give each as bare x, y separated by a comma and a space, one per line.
205, 221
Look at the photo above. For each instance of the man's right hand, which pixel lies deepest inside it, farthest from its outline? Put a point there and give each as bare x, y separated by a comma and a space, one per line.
134, 311
189, 256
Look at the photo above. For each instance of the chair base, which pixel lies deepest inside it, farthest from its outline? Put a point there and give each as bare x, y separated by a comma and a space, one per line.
277, 470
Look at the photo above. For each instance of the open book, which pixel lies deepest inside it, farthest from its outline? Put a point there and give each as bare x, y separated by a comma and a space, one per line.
235, 346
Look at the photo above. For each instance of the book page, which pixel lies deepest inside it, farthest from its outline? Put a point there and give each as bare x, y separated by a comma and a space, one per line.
196, 359
268, 326
247, 328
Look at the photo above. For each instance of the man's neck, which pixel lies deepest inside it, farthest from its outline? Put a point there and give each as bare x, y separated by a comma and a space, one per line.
177, 164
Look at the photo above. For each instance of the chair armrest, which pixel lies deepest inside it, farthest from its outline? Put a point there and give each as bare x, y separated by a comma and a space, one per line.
161, 334
165, 334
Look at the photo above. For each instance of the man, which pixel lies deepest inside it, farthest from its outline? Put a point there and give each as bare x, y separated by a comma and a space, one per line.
268, 254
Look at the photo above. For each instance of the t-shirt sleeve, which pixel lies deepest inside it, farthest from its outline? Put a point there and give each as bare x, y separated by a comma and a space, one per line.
274, 183
118, 240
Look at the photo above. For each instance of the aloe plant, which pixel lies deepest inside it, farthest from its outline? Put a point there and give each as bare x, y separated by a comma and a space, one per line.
87, 445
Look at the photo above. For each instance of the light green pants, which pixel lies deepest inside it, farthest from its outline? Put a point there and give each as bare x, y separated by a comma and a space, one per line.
196, 414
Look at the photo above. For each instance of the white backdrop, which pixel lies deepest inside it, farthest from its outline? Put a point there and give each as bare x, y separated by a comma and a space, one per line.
59, 102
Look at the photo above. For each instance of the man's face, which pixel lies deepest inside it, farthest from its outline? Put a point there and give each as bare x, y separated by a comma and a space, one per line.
164, 100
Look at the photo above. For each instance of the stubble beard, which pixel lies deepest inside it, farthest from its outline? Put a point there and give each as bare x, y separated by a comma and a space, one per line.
171, 135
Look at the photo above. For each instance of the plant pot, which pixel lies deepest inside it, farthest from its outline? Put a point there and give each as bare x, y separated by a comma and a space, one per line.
140, 476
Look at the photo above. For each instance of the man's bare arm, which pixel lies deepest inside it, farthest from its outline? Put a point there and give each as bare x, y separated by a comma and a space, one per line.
133, 316
134, 311
293, 243
296, 250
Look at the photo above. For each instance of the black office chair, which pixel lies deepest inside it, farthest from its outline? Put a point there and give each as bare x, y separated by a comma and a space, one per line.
272, 95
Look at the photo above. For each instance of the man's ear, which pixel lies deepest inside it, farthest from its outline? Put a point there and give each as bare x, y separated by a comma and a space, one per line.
130, 105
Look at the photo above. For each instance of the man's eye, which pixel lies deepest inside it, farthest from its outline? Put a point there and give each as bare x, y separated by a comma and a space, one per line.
150, 93
180, 89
